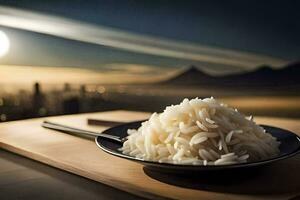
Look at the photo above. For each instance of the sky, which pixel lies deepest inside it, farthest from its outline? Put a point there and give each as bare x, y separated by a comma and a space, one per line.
263, 32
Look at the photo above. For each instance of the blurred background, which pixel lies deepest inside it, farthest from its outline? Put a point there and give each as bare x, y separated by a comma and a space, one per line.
64, 57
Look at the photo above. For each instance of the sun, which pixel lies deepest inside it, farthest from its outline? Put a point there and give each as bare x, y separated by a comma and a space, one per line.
4, 44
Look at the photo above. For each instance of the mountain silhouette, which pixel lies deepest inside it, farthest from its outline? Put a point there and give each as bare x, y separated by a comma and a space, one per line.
264, 76
191, 76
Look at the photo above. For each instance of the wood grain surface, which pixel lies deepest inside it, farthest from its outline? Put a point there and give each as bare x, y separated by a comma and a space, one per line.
80, 156
26, 179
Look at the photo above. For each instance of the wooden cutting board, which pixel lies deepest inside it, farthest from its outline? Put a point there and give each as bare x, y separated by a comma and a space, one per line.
80, 156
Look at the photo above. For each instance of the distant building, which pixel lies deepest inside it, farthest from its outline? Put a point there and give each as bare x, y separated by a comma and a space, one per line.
67, 87
82, 91
38, 101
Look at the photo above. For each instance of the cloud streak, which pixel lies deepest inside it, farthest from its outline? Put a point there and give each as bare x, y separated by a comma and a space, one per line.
119, 39
53, 75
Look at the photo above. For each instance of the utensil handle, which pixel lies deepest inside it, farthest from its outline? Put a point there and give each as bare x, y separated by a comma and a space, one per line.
77, 131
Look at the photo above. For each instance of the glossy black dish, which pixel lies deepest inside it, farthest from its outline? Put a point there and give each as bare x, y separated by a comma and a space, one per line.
290, 146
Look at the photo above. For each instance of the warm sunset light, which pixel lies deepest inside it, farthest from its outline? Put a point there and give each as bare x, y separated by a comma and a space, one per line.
4, 44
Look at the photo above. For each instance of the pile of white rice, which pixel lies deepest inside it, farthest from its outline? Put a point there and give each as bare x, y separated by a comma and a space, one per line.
200, 132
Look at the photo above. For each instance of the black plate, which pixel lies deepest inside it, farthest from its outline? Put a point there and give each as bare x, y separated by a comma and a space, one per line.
290, 146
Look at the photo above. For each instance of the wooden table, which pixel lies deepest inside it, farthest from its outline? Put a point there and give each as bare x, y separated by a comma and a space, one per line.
280, 180
25, 179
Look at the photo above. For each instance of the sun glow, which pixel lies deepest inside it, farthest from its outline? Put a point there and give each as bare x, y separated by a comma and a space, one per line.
4, 44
